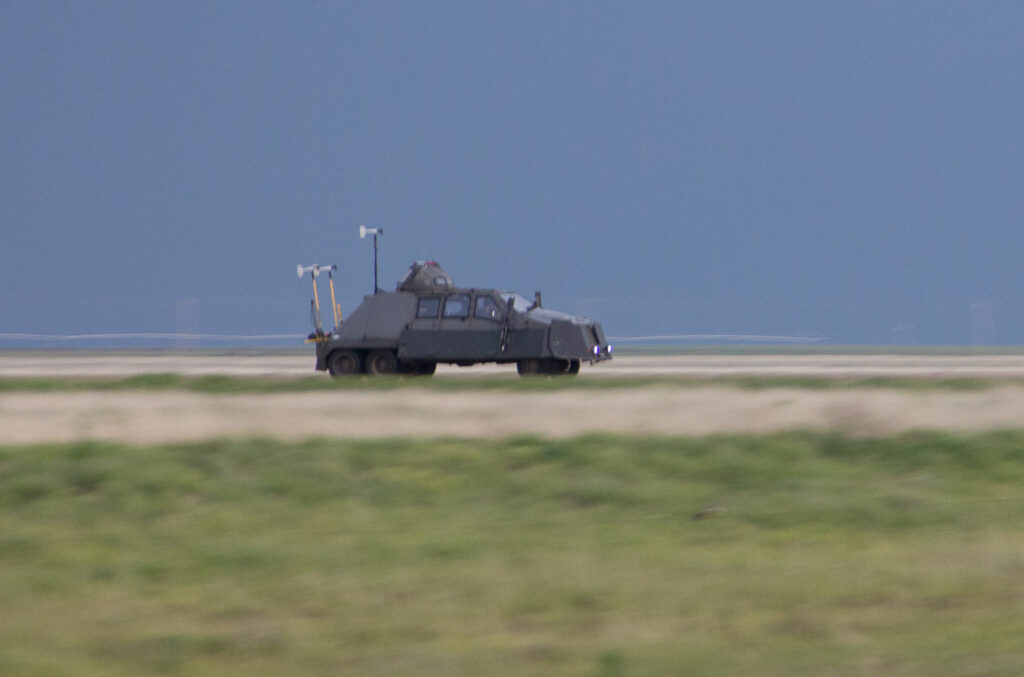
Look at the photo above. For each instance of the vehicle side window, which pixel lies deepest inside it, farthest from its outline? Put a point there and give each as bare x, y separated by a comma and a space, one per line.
456, 305
486, 308
428, 306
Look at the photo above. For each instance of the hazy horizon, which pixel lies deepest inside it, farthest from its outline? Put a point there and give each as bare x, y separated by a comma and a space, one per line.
837, 173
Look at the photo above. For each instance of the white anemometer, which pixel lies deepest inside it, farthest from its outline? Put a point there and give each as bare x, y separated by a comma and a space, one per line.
363, 232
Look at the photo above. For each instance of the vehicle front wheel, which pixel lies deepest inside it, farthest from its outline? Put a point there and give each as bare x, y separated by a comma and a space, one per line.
551, 366
344, 363
528, 367
381, 363
556, 367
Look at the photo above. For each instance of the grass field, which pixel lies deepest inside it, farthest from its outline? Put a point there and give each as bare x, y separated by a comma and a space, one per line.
815, 554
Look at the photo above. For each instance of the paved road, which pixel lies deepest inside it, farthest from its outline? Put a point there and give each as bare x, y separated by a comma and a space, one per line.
15, 365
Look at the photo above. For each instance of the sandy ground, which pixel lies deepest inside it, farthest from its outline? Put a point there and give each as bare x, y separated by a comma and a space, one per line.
150, 417
181, 416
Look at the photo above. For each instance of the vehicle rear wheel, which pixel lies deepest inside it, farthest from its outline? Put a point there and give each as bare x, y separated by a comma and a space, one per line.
419, 367
574, 367
344, 363
381, 363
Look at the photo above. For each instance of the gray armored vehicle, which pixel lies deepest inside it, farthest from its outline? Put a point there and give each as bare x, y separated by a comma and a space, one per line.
427, 319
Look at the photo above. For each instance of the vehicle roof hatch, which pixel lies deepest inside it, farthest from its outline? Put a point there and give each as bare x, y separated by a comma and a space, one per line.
425, 276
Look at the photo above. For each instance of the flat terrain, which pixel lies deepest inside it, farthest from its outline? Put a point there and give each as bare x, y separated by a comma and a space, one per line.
801, 554
851, 515
683, 407
18, 364
143, 417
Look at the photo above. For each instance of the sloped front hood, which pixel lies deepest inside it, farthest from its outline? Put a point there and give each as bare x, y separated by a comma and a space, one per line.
577, 338
545, 316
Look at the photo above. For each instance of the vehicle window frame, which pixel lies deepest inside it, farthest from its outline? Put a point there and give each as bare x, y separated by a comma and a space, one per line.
519, 302
466, 308
498, 315
419, 307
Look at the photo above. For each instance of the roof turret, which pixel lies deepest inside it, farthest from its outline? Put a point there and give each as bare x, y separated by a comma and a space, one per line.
425, 276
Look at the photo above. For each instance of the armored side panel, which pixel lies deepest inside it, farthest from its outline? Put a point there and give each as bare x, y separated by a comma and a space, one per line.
464, 326
376, 323
526, 343
378, 320
569, 340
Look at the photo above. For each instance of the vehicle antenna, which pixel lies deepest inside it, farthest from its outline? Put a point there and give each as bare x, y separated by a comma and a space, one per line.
363, 232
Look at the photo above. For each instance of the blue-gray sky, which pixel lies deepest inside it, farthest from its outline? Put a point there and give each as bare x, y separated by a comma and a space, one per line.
847, 170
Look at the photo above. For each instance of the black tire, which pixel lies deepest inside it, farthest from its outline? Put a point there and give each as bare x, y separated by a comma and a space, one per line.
558, 367
551, 366
418, 367
528, 367
381, 363
574, 367
344, 363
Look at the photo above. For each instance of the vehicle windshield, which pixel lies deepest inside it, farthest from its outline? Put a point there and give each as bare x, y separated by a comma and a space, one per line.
519, 303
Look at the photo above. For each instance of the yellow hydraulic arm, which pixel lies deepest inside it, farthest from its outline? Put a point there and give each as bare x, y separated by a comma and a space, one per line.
314, 271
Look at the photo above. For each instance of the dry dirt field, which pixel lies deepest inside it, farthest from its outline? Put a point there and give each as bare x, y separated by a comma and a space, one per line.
160, 416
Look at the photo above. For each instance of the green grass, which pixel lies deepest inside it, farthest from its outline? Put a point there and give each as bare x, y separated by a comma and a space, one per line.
822, 555
219, 384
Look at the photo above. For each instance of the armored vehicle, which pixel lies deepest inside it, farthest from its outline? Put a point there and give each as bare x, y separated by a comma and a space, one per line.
427, 319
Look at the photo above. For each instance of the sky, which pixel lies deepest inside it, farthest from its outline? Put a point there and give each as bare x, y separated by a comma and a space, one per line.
846, 172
